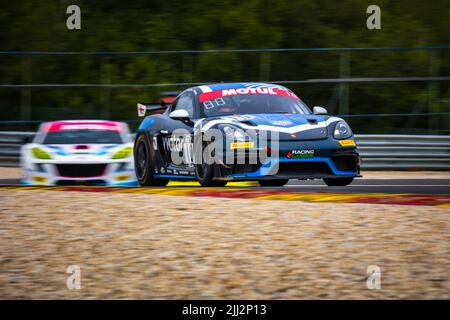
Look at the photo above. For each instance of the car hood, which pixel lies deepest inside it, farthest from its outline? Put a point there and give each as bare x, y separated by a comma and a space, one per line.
289, 126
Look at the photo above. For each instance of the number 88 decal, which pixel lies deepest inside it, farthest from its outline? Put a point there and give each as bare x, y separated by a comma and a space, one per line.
210, 104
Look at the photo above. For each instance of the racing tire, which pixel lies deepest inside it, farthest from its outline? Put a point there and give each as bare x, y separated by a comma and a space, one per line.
273, 183
205, 173
143, 158
338, 182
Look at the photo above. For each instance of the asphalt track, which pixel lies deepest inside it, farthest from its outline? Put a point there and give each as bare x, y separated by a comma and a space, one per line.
387, 186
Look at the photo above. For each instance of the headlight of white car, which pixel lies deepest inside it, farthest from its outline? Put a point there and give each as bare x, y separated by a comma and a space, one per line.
40, 154
342, 130
123, 153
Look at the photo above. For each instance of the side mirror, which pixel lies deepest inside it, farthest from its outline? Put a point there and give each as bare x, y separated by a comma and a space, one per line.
28, 139
319, 110
180, 114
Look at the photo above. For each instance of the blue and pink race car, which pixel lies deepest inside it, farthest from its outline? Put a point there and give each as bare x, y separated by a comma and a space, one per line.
242, 131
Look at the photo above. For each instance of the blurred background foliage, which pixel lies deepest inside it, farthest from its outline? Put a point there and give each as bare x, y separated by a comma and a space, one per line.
143, 25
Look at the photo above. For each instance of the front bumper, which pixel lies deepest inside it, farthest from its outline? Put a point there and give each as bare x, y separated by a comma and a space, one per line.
63, 173
317, 168
329, 161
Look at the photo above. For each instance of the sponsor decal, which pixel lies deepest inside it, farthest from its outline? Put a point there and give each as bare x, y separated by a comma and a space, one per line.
122, 178
233, 92
281, 123
173, 144
85, 127
39, 179
300, 154
242, 117
347, 143
62, 125
241, 145
181, 144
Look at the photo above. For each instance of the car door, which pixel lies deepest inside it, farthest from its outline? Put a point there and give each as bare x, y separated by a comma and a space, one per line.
177, 141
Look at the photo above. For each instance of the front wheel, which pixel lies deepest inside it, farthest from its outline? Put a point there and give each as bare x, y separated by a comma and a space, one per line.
205, 171
143, 163
337, 182
273, 183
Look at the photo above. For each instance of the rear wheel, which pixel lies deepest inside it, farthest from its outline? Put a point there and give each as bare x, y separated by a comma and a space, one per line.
205, 172
273, 183
143, 163
337, 182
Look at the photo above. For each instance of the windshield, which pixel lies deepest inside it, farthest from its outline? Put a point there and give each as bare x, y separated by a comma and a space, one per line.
83, 137
253, 104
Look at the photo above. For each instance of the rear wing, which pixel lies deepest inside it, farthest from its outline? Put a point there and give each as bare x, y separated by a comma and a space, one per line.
169, 93
142, 108
169, 96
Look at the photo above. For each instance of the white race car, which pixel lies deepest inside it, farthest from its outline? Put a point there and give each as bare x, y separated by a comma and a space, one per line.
72, 152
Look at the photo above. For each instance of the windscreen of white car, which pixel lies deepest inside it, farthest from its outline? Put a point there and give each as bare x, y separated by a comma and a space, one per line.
83, 137
253, 104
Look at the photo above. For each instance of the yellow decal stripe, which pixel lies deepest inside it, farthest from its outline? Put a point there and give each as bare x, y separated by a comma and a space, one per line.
241, 145
347, 143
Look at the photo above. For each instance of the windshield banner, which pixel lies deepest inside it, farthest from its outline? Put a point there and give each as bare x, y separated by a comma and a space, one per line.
232, 92
66, 125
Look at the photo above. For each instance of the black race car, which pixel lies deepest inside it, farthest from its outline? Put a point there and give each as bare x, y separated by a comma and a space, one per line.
242, 131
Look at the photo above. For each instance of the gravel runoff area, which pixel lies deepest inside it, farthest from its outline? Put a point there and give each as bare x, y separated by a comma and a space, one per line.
167, 247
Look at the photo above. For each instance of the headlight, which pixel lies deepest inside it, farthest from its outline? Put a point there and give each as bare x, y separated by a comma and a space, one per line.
123, 153
40, 154
342, 130
234, 133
